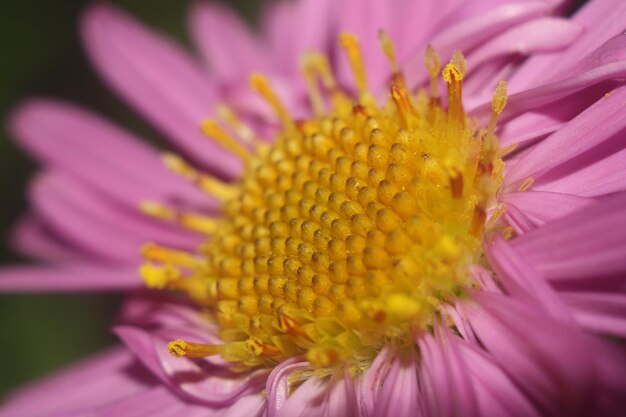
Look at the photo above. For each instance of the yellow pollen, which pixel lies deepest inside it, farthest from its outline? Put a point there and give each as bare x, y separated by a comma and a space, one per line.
261, 85
213, 130
353, 229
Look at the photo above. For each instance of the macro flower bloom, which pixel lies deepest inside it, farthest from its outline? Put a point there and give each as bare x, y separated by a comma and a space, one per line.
401, 235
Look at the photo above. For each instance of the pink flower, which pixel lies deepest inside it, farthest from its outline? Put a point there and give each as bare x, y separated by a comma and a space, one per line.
490, 282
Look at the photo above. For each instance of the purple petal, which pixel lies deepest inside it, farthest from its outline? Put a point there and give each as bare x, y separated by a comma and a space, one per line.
98, 225
496, 394
541, 207
558, 366
522, 281
69, 277
598, 123
588, 244
106, 378
605, 176
399, 395
227, 43
119, 164
321, 397
32, 238
603, 313
446, 383
471, 33
545, 67
158, 79
278, 385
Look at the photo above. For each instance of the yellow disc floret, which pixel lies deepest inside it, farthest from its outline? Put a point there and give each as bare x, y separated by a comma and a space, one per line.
352, 229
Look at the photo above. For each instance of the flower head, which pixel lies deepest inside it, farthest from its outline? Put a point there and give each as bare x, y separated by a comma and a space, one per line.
363, 241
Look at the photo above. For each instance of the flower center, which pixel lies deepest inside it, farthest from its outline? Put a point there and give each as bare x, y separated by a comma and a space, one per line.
353, 229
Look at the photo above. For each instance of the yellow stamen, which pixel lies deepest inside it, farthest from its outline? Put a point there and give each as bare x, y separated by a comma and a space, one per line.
156, 253
261, 85
207, 183
180, 347
211, 129
433, 63
159, 276
390, 51
234, 122
309, 65
192, 221
526, 184
351, 46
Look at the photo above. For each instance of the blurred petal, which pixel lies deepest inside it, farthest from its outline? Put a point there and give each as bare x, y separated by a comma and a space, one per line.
106, 378
228, 45
158, 79
119, 164
69, 277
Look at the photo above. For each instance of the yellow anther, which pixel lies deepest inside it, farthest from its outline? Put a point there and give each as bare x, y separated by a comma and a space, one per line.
180, 347
159, 276
233, 121
351, 46
213, 130
156, 253
433, 64
526, 184
207, 183
192, 221
390, 51
261, 85
459, 62
309, 65
157, 210
499, 99
402, 100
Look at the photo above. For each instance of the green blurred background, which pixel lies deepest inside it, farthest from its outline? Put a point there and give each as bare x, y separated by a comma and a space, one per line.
42, 55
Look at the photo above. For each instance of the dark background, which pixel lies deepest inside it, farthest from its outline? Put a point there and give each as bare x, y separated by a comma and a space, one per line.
41, 54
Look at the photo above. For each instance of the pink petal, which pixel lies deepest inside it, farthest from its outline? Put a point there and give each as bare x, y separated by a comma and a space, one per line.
470, 33
596, 124
310, 19
31, 238
496, 394
119, 164
605, 176
588, 244
228, 45
522, 281
399, 395
541, 68
541, 207
250, 406
158, 79
446, 383
94, 223
278, 385
607, 63
196, 380
106, 378
538, 35
553, 363
321, 397
603, 313
69, 277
